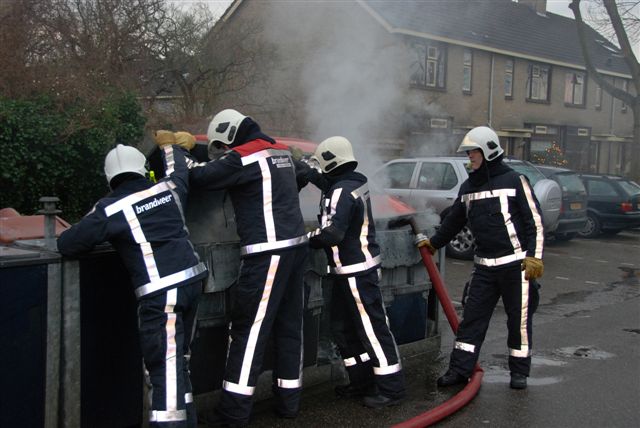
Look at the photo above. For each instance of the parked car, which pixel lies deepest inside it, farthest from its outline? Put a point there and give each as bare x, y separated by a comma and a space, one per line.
613, 204
573, 210
433, 183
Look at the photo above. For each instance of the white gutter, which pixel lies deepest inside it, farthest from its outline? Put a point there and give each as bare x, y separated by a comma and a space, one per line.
232, 8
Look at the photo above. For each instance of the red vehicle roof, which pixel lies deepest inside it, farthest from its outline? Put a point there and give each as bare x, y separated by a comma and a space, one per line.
384, 206
304, 145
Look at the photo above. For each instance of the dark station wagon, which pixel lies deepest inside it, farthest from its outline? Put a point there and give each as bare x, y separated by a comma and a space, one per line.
613, 204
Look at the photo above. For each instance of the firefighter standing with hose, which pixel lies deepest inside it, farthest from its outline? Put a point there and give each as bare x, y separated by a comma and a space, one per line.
358, 320
268, 296
145, 224
504, 216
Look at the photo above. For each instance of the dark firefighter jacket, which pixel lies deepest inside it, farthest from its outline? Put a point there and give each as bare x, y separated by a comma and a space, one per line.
503, 215
262, 184
347, 230
144, 222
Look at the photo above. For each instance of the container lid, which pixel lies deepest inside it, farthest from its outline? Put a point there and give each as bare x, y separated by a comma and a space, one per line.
14, 227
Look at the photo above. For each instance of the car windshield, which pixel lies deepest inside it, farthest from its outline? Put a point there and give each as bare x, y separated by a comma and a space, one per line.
630, 187
530, 171
571, 183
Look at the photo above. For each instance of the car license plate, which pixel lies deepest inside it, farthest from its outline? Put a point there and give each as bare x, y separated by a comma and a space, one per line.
576, 206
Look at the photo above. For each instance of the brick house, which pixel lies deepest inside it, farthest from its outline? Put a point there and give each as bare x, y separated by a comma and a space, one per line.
409, 78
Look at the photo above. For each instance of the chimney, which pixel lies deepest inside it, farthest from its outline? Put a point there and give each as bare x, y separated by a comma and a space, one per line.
539, 6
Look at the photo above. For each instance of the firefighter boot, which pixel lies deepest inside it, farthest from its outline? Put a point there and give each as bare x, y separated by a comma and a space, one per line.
350, 390
518, 381
451, 378
379, 401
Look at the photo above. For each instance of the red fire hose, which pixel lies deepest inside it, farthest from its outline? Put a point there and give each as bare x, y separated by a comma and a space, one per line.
471, 389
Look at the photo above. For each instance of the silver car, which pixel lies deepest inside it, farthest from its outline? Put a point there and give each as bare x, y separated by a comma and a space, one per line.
432, 183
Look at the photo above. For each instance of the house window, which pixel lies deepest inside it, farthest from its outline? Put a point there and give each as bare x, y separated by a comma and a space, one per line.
467, 66
538, 82
598, 102
623, 109
428, 67
508, 78
574, 88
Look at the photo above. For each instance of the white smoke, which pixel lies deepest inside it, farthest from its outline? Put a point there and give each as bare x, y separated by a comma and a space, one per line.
355, 77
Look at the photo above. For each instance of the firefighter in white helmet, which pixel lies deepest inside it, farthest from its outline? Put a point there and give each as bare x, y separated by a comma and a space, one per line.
144, 223
358, 319
503, 214
259, 176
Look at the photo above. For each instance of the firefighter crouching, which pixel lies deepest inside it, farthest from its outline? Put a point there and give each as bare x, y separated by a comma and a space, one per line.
504, 216
268, 297
358, 320
144, 223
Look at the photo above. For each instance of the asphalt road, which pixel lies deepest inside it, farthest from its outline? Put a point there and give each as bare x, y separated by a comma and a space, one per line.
586, 364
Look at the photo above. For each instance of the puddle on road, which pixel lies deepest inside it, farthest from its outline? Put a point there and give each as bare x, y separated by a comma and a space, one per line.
540, 361
496, 374
630, 274
587, 352
531, 381
535, 361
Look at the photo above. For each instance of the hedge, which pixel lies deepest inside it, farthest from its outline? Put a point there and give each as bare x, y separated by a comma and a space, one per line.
54, 149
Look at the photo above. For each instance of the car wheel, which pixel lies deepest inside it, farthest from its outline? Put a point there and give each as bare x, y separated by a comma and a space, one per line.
461, 246
565, 236
591, 228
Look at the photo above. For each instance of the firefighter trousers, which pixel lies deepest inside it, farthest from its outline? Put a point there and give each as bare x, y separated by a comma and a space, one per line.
166, 324
520, 299
360, 328
268, 299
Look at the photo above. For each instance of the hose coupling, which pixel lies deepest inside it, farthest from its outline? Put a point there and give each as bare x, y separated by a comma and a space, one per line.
420, 237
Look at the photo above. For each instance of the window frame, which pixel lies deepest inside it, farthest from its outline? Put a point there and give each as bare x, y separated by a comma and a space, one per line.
541, 68
509, 72
573, 78
625, 87
432, 66
467, 70
598, 98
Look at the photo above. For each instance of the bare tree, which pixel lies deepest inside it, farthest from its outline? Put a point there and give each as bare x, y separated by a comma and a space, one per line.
20, 48
238, 58
622, 37
73, 48
598, 18
86, 48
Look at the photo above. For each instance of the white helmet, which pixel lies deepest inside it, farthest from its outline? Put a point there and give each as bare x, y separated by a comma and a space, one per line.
224, 126
333, 152
124, 159
483, 138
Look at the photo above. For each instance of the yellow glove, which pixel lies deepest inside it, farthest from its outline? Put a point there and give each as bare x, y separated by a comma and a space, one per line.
296, 153
427, 243
185, 140
162, 138
533, 268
